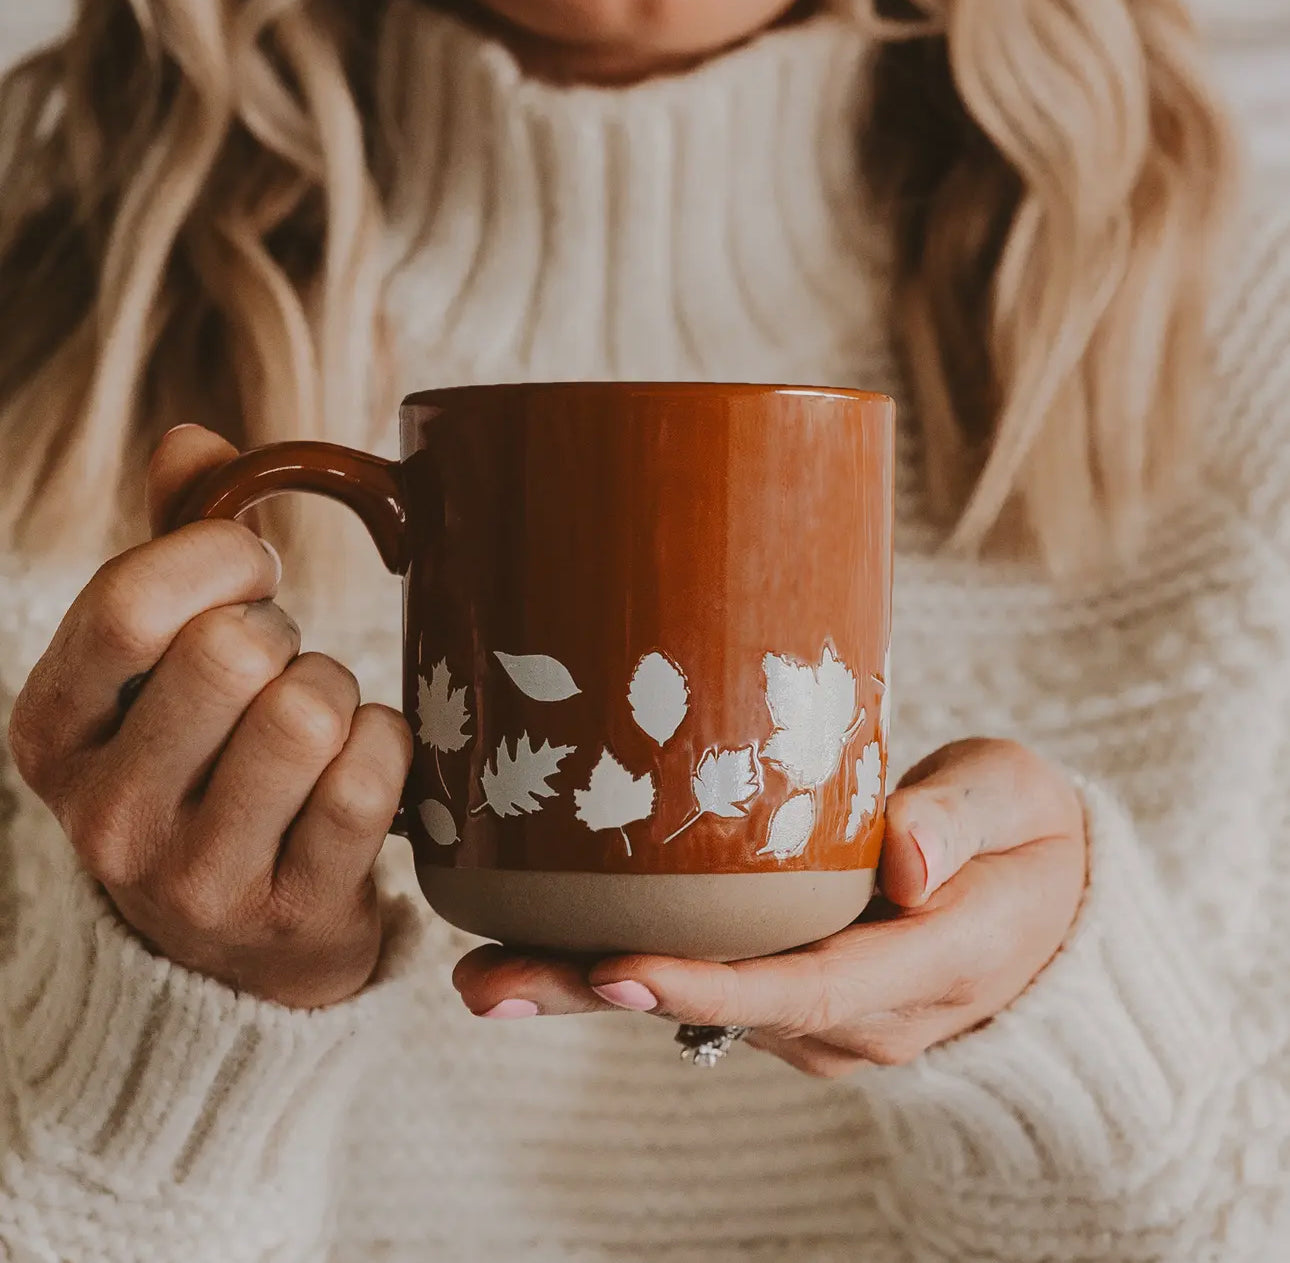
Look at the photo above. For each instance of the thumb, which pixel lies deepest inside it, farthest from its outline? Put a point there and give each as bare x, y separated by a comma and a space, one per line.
184, 455
970, 798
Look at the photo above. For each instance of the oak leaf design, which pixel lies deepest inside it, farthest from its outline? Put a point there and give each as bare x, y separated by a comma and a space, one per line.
516, 782
884, 707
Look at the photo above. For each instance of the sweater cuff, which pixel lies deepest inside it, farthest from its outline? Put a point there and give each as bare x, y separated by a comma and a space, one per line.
1110, 1065
141, 1074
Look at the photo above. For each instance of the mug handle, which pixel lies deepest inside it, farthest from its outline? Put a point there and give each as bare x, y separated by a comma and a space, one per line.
366, 484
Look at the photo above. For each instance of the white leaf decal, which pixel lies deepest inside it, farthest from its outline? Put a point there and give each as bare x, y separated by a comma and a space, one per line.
441, 708
725, 783
438, 821
538, 676
614, 798
659, 696
790, 828
868, 786
516, 782
814, 711
884, 708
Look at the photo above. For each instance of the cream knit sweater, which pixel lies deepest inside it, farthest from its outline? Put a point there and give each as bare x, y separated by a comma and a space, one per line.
1133, 1104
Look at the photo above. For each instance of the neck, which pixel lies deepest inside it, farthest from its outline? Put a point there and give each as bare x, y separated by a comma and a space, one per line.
601, 64
707, 226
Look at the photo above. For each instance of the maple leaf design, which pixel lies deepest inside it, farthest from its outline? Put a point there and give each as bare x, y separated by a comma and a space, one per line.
614, 798
515, 783
441, 709
724, 783
868, 786
659, 696
791, 827
538, 676
438, 822
814, 712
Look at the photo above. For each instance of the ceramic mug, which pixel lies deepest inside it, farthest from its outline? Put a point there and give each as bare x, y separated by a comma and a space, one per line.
646, 633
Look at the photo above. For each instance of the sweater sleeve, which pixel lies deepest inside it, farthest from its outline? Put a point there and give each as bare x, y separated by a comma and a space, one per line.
1139, 1090
1099, 1095
147, 1112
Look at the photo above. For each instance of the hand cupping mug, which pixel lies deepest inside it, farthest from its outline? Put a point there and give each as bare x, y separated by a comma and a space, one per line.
646, 634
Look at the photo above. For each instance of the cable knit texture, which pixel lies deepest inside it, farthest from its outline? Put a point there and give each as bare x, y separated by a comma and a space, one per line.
1133, 1104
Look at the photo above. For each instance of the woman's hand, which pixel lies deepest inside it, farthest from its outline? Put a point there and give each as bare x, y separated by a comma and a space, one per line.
228, 792
983, 869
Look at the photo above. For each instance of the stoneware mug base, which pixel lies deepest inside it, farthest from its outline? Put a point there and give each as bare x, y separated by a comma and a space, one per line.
701, 916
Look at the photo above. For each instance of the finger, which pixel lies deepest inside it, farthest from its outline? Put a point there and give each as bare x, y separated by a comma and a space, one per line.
289, 735
168, 741
185, 454
865, 969
812, 1056
331, 847
970, 798
496, 982
120, 626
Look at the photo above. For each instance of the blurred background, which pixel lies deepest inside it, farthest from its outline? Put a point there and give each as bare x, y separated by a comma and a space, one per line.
1250, 41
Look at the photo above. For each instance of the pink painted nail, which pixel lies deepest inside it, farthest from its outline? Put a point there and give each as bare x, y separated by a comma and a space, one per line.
628, 995
512, 1008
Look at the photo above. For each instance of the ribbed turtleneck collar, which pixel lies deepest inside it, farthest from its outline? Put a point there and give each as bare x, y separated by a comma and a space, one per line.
701, 225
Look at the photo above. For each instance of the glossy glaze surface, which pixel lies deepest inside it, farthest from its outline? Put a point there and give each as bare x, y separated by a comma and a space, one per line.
598, 525
646, 624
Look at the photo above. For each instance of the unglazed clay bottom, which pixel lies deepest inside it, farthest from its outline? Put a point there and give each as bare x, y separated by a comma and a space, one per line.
704, 916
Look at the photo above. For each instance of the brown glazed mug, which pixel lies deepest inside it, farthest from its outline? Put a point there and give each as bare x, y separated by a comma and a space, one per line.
646, 633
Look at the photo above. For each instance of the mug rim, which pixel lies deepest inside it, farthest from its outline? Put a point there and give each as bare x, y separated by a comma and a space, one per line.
440, 396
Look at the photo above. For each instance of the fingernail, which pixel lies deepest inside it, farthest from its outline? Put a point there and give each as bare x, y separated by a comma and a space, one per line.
628, 995
267, 605
512, 1008
275, 558
927, 847
186, 425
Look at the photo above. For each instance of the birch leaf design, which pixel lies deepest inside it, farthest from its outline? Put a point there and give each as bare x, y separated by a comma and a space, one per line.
538, 676
614, 798
515, 783
791, 827
814, 712
438, 822
868, 786
724, 783
441, 710
659, 696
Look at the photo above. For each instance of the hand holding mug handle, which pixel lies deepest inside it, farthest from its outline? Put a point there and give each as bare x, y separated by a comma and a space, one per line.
367, 485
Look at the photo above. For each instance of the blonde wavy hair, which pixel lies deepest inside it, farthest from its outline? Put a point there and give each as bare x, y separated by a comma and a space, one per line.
196, 195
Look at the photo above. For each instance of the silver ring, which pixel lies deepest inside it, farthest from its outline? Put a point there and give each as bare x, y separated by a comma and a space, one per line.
706, 1045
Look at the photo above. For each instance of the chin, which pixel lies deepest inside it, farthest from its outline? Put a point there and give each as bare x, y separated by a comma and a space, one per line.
664, 26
